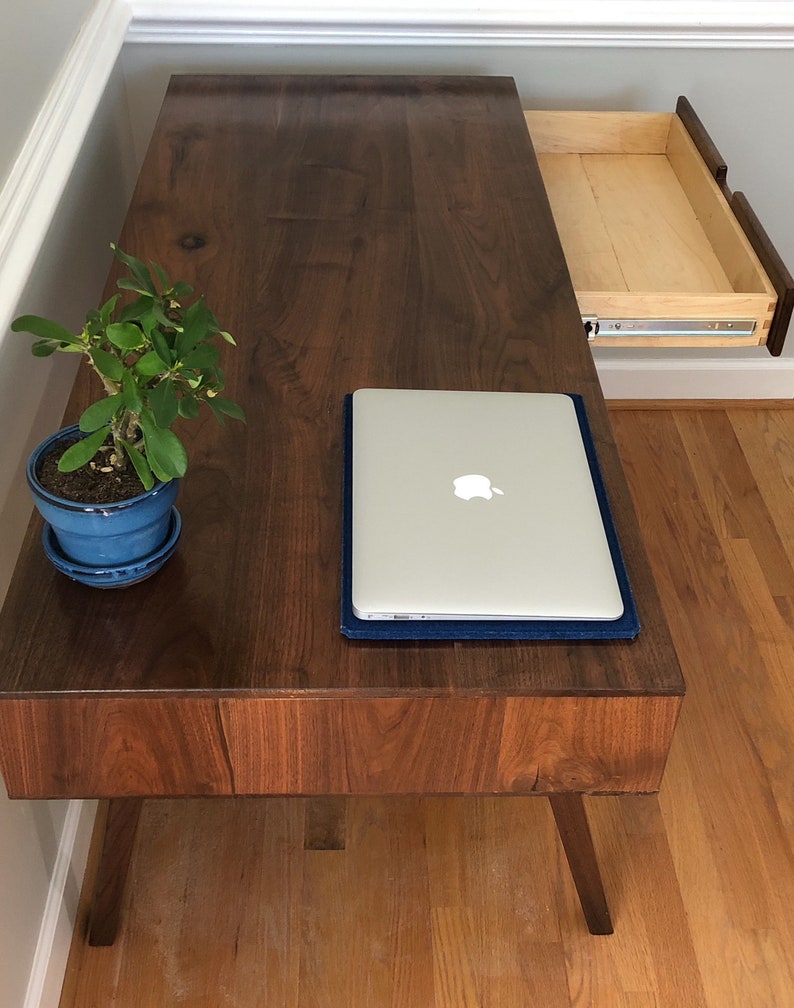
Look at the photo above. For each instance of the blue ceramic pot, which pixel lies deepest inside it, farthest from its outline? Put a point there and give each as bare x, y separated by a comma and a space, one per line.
113, 542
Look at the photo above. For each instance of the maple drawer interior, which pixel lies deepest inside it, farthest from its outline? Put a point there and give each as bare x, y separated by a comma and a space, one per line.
648, 233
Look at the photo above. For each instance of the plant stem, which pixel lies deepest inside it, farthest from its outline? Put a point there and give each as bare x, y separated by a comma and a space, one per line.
119, 455
108, 384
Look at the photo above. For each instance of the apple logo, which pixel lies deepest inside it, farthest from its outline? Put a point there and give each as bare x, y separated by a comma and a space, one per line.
474, 485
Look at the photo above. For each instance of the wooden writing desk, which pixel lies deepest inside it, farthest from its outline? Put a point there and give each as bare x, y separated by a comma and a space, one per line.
350, 232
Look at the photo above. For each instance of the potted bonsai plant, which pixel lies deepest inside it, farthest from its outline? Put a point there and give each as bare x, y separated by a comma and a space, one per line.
106, 486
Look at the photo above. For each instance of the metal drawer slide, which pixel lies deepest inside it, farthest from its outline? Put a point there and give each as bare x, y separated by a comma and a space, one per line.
617, 328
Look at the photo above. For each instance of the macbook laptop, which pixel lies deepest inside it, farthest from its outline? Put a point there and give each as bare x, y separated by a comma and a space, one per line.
475, 506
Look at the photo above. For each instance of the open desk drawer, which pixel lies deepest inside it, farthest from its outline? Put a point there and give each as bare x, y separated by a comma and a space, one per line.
660, 251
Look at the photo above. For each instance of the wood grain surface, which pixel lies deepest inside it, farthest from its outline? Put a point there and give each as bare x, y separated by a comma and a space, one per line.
649, 227
440, 745
123, 815
350, 232
450, 902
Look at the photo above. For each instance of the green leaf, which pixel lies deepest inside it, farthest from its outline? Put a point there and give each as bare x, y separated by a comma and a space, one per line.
125, 283
106, 364
83, 451
151, 364
228, 337
160, 344
139, 271
165, 452
43, 348
100, 413
137, 310
204, 356
125, 335
228, 407
188, 406
196, 327
106, 314
44, 329
166, 322
131, 392
165, 283
181, 289
139, 464
163, 401
224, 407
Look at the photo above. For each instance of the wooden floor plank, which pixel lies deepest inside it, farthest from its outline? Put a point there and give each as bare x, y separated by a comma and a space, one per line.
437, 902
730, 493
765, 437
727, 839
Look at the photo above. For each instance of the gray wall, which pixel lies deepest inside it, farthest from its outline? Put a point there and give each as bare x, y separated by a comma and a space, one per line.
67, 278
36, 36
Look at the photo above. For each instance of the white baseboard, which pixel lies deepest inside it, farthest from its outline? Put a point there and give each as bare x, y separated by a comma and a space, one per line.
676, 378
57, 925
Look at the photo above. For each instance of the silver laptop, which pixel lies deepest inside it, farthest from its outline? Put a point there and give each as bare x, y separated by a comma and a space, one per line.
475, 506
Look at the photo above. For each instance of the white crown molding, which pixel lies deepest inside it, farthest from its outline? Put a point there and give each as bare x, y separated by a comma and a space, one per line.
38, 177
673, 23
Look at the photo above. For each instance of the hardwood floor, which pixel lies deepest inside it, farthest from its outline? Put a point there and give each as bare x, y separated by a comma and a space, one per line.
449, 902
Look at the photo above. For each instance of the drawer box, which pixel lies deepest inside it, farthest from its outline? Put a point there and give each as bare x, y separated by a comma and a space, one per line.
661, 253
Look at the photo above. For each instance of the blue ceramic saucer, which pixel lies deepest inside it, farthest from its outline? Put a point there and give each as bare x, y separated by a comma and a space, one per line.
113, 577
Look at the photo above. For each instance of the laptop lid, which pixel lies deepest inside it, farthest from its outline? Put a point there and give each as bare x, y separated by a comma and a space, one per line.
475, 505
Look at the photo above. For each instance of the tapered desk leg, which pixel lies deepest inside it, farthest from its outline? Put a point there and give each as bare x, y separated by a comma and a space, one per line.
577, 841
114, 863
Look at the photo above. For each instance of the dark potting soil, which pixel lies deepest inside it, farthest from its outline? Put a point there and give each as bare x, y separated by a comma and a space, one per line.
88, 485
